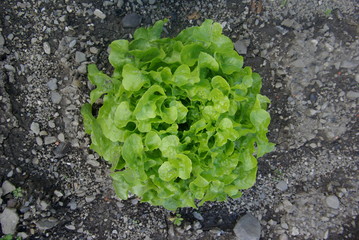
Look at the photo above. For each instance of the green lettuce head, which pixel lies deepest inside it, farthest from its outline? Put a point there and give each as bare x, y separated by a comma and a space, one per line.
182, 121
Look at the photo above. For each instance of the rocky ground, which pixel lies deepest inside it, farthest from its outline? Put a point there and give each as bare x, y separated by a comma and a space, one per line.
53, 187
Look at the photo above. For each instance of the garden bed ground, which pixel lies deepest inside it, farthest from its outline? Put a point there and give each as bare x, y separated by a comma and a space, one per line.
308, 55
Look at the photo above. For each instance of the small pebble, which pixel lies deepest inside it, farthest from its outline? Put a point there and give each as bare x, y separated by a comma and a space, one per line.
9, 68
98, 13
2, 40
47, 48
39, 141
282, 185
58, 193
131, 20
49, 140
332, 202
35, 128
7, 187
89, 199
61, 137
80, 57
55, 97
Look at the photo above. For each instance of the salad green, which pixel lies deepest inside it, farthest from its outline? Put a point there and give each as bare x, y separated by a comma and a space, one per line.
182, 121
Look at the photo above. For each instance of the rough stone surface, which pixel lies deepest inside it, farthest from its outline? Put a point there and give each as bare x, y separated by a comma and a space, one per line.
240, 47
332, 202
131, 20
248, 228
80, 57
9, 220
282, 185
47, 48
98, 13
7, 187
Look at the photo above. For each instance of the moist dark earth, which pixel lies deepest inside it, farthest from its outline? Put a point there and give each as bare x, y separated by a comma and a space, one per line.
54, 187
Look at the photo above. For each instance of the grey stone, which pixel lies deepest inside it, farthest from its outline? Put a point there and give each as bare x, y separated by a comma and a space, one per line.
288, 23
7, 187
61, 137
9, 219
198, 216
49, 140
352, 95
80, 57
72, 205
332, 202
35, 128
349, 64
93, 163
2, 40
1, 192
43, 205
89, 198
47, 48
46, 224
51, 124
152, 2
39, 141
283, 237
298, 63
72, 43
10, 68
120, 3
52, 84
98, 13
70, 227
58, 193
248, 228
55, 97
240, 47
131, 20
282, 185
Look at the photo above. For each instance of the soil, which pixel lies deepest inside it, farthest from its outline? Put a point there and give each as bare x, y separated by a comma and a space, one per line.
307, 53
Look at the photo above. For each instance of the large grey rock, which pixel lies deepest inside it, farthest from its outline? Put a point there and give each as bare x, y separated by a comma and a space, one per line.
7, 187
131, 20
9, 219
248, 228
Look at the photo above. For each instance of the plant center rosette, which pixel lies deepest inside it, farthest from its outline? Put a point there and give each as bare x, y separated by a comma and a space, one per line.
181, 121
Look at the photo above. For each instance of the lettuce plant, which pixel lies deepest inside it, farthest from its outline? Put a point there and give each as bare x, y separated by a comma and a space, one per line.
181, 121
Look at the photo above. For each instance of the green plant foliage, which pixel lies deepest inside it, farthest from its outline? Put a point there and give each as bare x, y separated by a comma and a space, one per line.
182, 121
